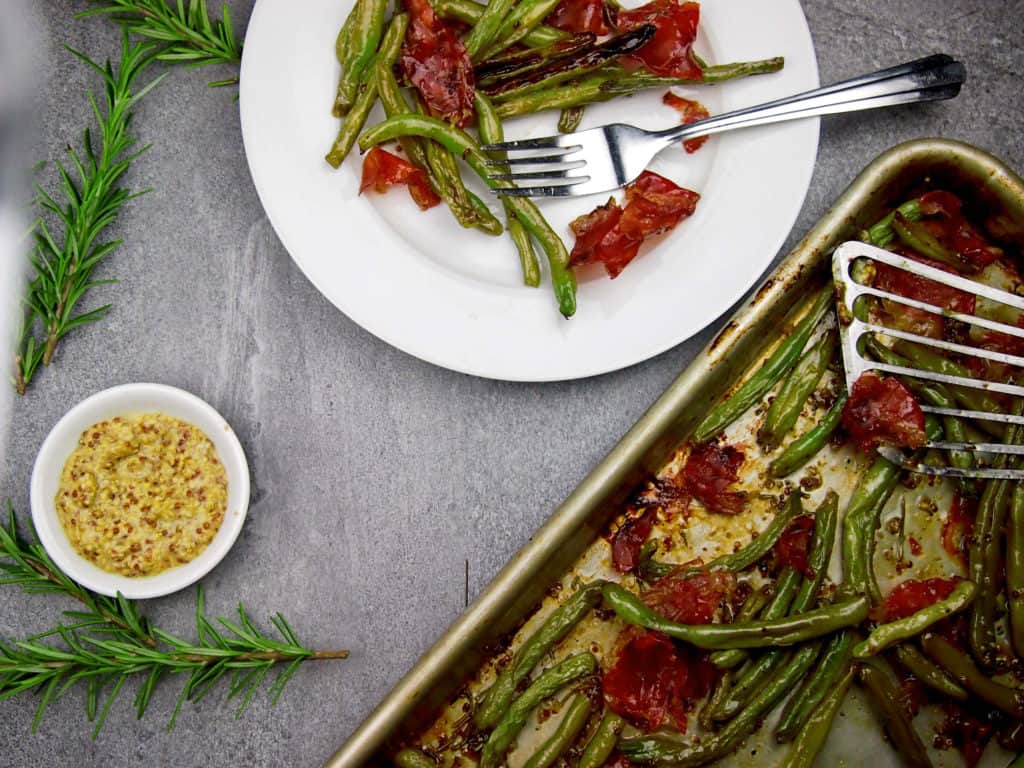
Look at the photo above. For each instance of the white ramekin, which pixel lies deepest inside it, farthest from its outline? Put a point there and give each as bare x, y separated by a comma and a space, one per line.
121, 401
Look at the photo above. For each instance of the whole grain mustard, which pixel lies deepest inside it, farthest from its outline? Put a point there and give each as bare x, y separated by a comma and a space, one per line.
141, 494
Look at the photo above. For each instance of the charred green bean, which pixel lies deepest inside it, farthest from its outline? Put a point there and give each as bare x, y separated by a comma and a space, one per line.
568, 730
806, 447
883, 690
886, 635
788, 630
959, 665
929, 673
798, 385
496, 701
815, 731
603, 742
833, 665
545, 686
781, 360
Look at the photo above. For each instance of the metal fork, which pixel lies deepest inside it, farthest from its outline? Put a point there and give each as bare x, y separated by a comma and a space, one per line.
611, 156
855, 329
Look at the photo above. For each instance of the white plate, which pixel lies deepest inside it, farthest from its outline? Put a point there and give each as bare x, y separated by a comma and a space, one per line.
454, 297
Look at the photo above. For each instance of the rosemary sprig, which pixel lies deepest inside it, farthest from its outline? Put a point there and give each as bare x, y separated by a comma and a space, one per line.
187, 35
63, 264
121, 644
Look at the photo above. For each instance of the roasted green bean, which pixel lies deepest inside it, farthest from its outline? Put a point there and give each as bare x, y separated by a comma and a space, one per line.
789, 630
545, 686
806, 447
959, 665
832, 666
929, 673
881, 233
572, 723
496, 701
916, 236
751, 607
798, 385
459, 142
812, 736
781, 360
414, 758
363, 39
469, 12
603, 742
858, 523
570, 118
883, 690
486, 27
1015, 569
364, 101
519, 23
491, 132
886, 635
753, 551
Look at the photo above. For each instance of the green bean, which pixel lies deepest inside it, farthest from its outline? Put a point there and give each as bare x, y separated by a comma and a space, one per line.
817, 561
519, 23
883, 690
1017, 762
573, 721
364, 37
781, 360
570, 119
983, 554
607, 85
353, 124
516, 65
496, 701
755, 549
469, 12
881, 233
916, 236
804, 448
1015, 569
491, 132
545, 686
602, 743
833, 665
812, 736
960, 667
858, 522
921, 667
459, 142
886, 635
974, 399
719, 695
754, 674
751, 607
798, 385
414, 758
679, 754
788, 630
344, 52
486, 27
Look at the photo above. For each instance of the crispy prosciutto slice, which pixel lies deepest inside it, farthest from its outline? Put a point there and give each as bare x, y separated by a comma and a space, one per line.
381, 169
690, 112
653, 678
580, 16
881, 410
710, 472
690, 600
792, 547
629, 539
914, 594
612, 235
669, 53
436, 63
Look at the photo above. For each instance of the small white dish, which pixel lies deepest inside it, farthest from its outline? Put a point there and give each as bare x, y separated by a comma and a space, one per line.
121, 401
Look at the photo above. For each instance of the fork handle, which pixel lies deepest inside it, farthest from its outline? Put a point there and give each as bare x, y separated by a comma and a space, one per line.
934, 77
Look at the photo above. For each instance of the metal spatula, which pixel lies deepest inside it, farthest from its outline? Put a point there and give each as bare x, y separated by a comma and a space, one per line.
970, 397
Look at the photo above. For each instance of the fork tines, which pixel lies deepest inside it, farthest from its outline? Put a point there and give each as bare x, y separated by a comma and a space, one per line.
858, 326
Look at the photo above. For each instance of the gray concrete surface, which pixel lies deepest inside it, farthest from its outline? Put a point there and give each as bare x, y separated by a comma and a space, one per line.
377, 476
